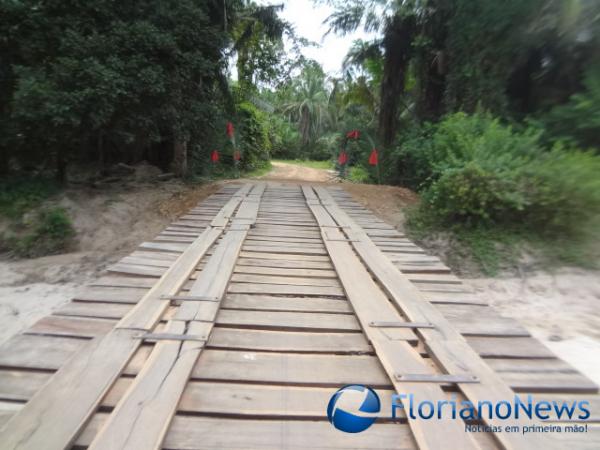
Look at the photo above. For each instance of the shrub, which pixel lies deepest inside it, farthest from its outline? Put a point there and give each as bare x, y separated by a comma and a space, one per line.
254, 136
358, 174
471, 195
578, 120
51, 232
475, 171
426, 153
19, 194
563, 189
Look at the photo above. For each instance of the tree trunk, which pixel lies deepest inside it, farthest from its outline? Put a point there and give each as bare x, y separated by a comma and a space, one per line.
397, 46
4, 160
61, 167
180, 163
102, 160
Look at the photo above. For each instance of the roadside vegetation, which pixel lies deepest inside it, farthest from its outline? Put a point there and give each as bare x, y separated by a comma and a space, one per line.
489, 110
500, 138
30, 227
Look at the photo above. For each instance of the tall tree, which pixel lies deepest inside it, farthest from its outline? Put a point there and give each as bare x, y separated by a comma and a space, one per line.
308, 104
396, 21
109, 79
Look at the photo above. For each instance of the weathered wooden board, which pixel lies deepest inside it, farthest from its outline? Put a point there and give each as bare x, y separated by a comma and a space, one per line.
273, 303
288, 341
200, 433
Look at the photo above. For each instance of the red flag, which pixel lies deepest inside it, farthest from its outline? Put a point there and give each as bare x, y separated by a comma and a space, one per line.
374, 158
229, 129
237, 155
354, 134
214, 156
343, 158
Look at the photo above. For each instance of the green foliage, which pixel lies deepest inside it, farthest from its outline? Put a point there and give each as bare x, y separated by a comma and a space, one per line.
484, 40
475, 170
578, 120
48, 232
261, 170
563, 190
358, 174
254, 136
18, 195
427, 153
109, 82
284, 137
477, 174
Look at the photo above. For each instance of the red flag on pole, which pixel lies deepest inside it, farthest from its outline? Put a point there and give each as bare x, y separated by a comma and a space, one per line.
237, 155
229, 129
343, 158
374, 158
214, 156
354, 134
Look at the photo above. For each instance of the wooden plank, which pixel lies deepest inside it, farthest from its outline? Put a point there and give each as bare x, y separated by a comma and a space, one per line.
288, 341
283, 256
284, 242
202, 433
283, 271
71, 326
281, 279
288, 320
142, 417
509, 347
284, 263
111, 294
55, 415
38, 352
18, 385
146, 261
284, 249
282, 289
446, 346
252, 401
394, 352
134, 269
290, 368
121, 281
90, 309
272, 303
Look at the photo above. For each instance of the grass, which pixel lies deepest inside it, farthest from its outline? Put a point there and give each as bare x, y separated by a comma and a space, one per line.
49, 233
20, 194
221, 172
259, 171
326, 165
496, 248
34, 230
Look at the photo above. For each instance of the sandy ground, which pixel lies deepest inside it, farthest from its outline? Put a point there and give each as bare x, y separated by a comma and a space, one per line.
290, 172
560, 308
110, 222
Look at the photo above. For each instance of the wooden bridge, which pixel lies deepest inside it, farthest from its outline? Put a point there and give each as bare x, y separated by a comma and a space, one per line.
236, 324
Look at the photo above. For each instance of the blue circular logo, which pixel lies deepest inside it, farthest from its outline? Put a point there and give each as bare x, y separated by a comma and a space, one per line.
353, 408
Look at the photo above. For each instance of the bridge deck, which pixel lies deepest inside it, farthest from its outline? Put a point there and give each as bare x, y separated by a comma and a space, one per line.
234, 326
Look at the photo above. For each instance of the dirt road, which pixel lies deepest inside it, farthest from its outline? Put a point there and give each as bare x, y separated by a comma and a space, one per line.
289, 172
558, 308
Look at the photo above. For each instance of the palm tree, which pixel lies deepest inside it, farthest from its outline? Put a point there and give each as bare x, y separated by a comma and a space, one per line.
396, 20
310, 104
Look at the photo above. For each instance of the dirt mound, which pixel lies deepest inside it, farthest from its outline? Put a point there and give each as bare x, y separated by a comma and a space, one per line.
387, 202
110, 223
